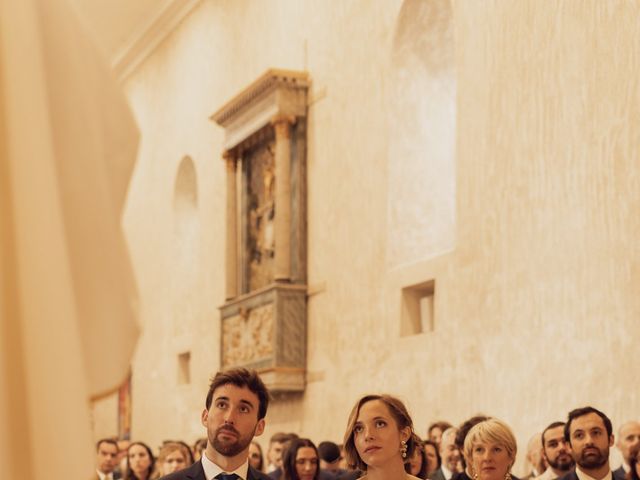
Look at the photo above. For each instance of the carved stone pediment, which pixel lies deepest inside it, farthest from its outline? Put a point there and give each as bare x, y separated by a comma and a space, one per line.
275, 94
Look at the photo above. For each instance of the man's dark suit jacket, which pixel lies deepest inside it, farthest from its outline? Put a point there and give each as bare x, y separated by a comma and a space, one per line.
572, 475
196, 472
275, 474
619, 473
437, 475
322, 475
460, 476
116, 475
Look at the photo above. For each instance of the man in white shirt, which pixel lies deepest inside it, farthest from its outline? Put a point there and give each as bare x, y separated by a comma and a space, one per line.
236, 405
449, 455
106, 459
590, 436
628, 441
556, 452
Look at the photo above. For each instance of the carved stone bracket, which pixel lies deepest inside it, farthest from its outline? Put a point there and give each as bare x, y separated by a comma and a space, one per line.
263, 330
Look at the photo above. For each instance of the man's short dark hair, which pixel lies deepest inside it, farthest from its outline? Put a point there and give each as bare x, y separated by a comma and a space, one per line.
110, 441
241, 377
329, 451
549, 427
580, 412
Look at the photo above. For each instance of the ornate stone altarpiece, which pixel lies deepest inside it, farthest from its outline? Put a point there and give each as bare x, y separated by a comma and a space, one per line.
263, 320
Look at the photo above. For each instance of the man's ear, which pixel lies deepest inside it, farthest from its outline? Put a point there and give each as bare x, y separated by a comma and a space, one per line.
259, 428
612, 440
204, 417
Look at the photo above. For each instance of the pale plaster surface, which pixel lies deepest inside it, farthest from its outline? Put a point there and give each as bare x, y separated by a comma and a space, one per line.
512, 180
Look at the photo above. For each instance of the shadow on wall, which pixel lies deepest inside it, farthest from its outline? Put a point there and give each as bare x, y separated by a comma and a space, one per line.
422, 122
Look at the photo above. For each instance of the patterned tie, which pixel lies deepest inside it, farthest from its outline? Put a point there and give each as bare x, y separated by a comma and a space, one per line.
227, 476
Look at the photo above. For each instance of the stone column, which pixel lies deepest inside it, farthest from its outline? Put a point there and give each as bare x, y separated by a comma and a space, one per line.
282, 126
231, 260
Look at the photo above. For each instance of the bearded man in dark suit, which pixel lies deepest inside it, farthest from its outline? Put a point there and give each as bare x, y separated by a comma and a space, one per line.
236, 405
590, 436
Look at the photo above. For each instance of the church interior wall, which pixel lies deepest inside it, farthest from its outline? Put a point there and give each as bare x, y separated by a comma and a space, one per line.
489, 147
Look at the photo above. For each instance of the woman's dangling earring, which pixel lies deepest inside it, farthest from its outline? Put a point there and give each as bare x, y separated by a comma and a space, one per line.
474, 474
403, 448
507, 476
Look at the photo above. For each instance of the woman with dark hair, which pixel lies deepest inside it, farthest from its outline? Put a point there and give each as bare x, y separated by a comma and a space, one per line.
140, 462
379, 438
417, 463
300, 460
256, 459
432, 455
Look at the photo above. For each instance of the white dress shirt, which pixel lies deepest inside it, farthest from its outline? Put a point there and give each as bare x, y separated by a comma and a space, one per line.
104, 476
583, 476
446, 472
211, 469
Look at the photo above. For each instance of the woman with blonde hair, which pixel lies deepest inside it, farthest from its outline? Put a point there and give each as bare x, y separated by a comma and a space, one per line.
379, 438
490, 450
173, 456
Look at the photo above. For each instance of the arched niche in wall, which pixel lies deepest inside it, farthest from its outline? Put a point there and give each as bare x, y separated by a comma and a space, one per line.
186, 244
422, 123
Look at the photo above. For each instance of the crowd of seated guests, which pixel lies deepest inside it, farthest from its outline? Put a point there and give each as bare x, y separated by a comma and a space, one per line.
380, 442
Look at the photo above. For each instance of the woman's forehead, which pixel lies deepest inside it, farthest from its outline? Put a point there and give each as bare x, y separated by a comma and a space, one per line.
306, 452
374, 408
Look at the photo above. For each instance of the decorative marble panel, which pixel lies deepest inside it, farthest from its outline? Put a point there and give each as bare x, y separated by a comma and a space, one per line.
248, 336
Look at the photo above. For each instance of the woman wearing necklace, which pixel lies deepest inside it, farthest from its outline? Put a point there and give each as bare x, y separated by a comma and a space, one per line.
379, 438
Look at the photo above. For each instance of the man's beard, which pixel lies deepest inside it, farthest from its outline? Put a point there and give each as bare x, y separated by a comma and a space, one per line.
230, 448
562, 462
594, 460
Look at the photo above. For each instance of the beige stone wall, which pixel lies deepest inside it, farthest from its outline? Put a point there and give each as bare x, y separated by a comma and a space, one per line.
496, 154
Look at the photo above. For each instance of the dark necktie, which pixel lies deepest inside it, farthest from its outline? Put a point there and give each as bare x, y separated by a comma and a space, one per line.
227, 476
